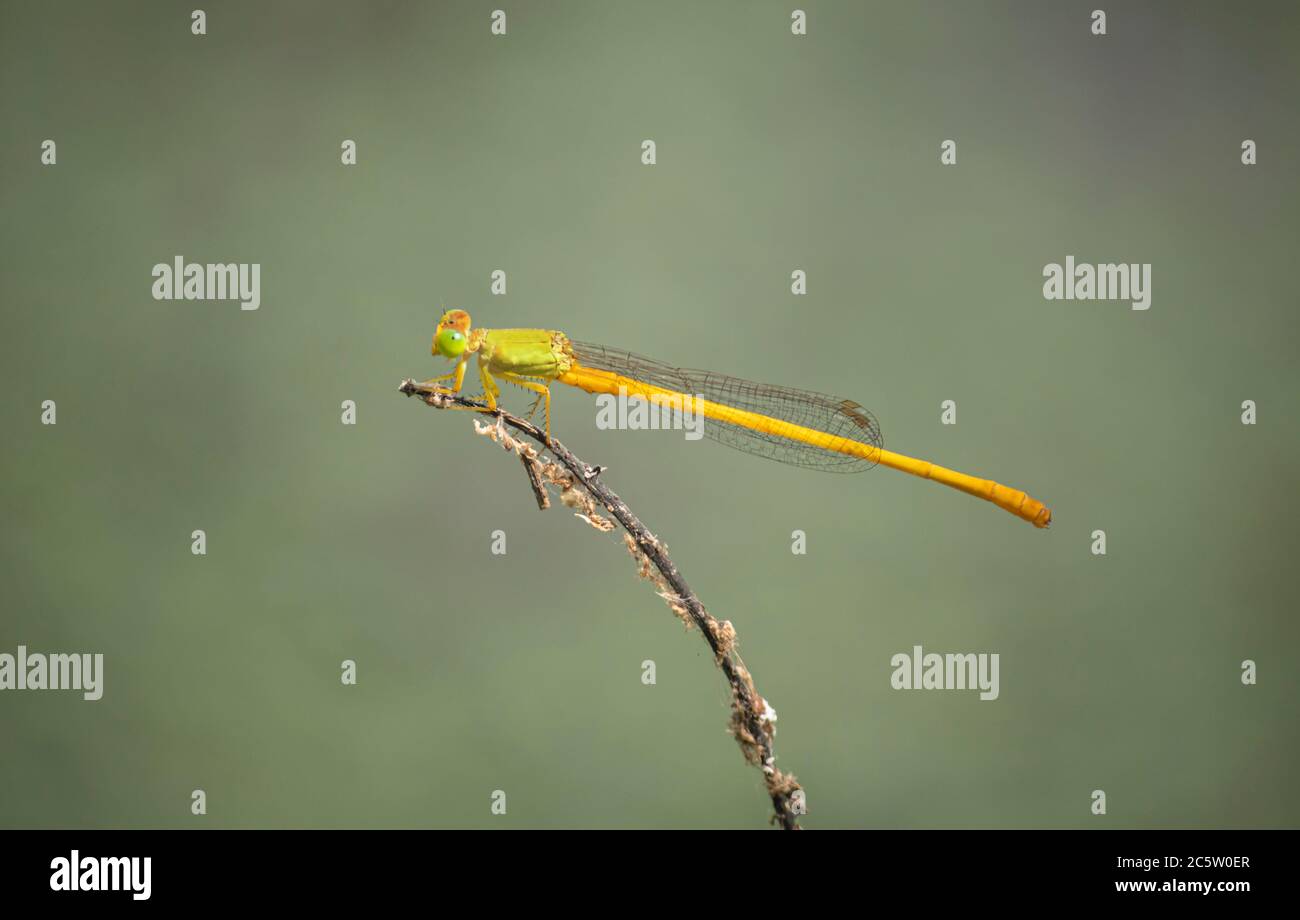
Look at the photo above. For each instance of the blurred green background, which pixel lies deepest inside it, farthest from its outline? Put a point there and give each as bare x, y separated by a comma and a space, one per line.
522, 672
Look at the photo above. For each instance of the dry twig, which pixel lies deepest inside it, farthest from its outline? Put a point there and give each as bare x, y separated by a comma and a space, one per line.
753, 721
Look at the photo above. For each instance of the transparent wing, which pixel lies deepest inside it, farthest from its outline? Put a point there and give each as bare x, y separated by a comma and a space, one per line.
839, 418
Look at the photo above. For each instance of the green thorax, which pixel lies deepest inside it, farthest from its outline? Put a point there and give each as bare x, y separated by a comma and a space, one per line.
526, 352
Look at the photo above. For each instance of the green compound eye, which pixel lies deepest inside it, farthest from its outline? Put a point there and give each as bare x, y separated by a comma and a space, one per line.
451, 344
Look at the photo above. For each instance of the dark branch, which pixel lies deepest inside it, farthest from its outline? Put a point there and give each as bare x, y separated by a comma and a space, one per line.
752, 720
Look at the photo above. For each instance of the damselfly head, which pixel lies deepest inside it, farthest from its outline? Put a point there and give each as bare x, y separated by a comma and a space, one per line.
455, 319
452, 335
